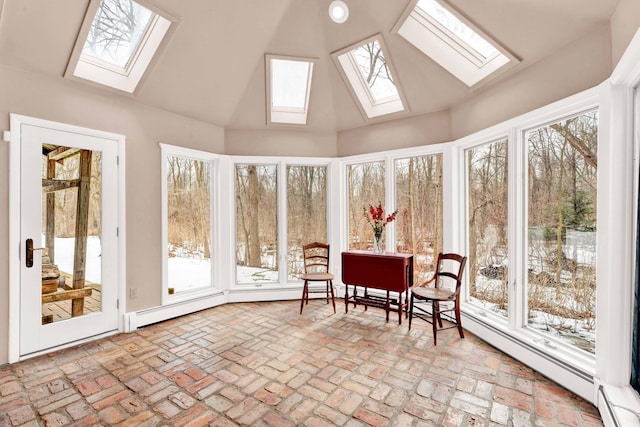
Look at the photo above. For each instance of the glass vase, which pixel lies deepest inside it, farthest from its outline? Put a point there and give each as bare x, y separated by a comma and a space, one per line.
377, 242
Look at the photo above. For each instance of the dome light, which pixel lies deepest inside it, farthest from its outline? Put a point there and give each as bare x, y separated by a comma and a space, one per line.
338, 11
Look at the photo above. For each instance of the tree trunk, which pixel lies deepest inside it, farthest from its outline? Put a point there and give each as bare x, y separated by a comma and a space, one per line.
253, 216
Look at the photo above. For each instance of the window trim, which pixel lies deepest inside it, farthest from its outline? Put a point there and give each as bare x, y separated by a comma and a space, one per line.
89, 69
284, 115
464, 150
523, 343
167, 151
427, 35
283, 283
370, 108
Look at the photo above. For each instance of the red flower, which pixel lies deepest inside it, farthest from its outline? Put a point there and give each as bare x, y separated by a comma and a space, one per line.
376, 217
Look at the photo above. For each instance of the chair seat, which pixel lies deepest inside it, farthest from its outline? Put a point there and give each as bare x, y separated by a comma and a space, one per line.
320, 277
433, 293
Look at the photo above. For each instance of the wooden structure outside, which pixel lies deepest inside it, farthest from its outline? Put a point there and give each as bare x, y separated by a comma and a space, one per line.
77, 292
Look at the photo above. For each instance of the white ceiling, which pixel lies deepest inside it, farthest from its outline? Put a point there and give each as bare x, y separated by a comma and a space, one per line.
212, 66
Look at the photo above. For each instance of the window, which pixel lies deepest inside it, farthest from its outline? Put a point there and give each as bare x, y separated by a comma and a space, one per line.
369, 72
187, 222
122, 38
366, 184
487, 213
256, 223
288, 88
306, 212
453, 42
419, 203
561, 264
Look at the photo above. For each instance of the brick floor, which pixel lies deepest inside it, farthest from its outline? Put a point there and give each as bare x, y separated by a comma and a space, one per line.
264, 364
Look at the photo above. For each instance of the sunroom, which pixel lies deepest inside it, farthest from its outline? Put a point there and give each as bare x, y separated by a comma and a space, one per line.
225, 136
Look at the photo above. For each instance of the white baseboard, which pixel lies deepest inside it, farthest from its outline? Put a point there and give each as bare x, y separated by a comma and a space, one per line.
137, 319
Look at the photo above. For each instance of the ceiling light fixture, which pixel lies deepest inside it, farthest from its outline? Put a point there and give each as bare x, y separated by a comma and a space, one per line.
338, 11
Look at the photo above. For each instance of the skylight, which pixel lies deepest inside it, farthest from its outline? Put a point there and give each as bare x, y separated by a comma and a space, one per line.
452, 42
122, 38
288, 88
368, 71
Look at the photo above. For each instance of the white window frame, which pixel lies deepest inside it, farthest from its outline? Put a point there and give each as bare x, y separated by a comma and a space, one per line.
618, 148
212, 160
464, 180
283, 288
360, 91
567, 365
302, 163
425, 33
91, 69
282, 115
389, 158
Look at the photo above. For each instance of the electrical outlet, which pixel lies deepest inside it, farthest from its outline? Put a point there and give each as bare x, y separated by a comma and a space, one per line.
133, 293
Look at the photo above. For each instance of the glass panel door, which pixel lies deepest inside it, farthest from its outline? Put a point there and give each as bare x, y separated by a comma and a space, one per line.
68, 227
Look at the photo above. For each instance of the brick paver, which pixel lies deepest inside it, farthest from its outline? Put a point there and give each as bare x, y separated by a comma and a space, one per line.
265, 364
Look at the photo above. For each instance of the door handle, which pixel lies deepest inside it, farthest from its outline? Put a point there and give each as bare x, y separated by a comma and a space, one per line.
30, 251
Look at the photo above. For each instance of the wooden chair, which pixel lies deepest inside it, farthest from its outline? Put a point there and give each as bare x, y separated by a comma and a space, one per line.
436, 294
316, 269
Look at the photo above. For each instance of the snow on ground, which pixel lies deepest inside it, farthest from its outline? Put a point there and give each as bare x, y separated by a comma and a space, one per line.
64, 257
193, 273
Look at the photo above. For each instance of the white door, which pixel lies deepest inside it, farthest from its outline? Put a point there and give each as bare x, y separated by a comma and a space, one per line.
68, 235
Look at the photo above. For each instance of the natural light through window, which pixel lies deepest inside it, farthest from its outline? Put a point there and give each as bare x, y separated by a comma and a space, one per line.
375, 71
458, 29
369, 72
117, 31
121, 41
289, 85
450, 41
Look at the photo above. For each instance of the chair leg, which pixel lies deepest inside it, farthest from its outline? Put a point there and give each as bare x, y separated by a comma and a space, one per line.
437, 305
410, 311
305, 295
458, 320
333, 297
434, 320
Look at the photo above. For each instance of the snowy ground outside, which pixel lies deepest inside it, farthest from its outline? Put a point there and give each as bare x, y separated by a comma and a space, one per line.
191, 273
64, 257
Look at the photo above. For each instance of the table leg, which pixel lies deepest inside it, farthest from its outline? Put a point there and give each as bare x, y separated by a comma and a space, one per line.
346, 298
387, 306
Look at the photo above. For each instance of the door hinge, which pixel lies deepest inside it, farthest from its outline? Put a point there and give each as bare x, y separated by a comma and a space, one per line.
118, 304
117, 160
117, 231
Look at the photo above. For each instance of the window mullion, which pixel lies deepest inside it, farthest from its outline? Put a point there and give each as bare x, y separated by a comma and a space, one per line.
282, 222
517, 225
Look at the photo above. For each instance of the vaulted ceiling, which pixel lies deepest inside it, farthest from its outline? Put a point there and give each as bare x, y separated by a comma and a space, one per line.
212, 66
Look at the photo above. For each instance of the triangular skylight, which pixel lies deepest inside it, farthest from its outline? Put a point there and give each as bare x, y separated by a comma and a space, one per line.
369, 72
453, 42
121, 40
288, 88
